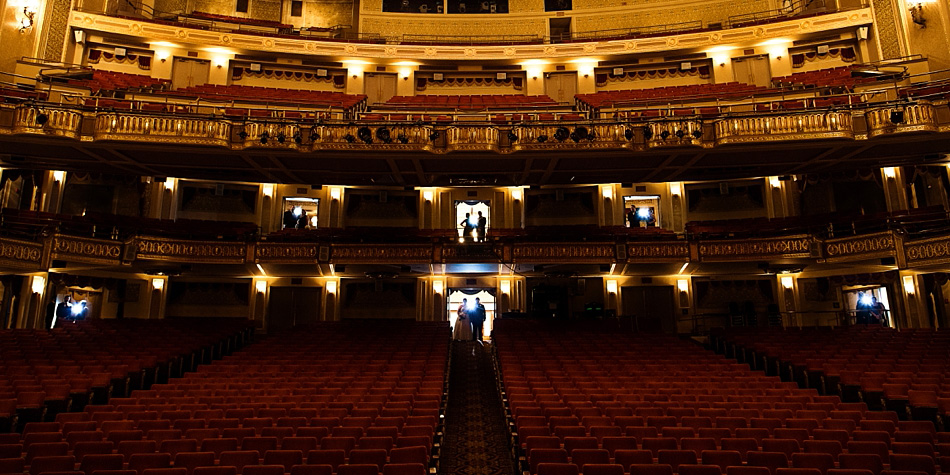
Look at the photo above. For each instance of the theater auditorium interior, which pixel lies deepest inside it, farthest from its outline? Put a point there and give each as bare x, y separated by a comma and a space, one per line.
467, 237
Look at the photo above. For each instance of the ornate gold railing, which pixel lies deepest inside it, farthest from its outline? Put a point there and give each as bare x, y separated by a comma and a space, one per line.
570, 136
775, 128
471, 138
264, 135
674, 133
351, 137
919, 117
44, 121
143, 128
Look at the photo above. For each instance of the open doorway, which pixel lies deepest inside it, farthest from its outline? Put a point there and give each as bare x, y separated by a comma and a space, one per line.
641, 211
868, 305
485, 296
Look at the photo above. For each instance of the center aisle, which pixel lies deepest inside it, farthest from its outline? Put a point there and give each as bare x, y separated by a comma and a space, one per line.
475, 441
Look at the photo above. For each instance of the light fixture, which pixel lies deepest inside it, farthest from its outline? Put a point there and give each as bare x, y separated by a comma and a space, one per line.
775, 182
611, 286
516, 194
909, 286
268, 189
261, 286
25, 20
158, 283
335, 193
675, 189
890, 172
331, 286
427, 195
59, 176
437, 287
917, 15
169, 184
505, 287
682, 285
607, 192
39, 284
788, 282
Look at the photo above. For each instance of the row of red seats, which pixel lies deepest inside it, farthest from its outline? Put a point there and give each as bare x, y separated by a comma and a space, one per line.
308, 402
915, 380
576, 406
707, 91
102, 80
832, 77
460, 101
270, 94
44, 373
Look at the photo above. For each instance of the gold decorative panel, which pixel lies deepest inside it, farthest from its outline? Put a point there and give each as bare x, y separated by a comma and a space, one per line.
20, 254
57, 27
920, 117
58, 122
562, 252
887, 25
596, 136
787, 247
286, 253
657, 252
775, 128
928, 251
86, 250
855, 248
375, 254
161, 249
143, 128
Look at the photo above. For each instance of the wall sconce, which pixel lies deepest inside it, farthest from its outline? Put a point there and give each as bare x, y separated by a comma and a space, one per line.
427, 195
261, 286
268, 189
917, 15
611, 286
607, 192
909, 286
335, 193
59, 176
788, 282
683, 285
169, 184
437, 287
774, 182
39, 284
158, 283
162, 55
675, 189
890, 172
331, 286
505, 287
25, 20
516, 194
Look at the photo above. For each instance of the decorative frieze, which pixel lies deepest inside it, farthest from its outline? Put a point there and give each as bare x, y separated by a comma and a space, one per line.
657, 251
210, 252
570, 137
564, 252
855, 248
286, 253
86, 250
21, 254
377, 254
928, 251
785, 247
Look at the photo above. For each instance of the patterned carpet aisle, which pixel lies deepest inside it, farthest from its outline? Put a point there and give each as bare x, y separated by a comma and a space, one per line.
475, 437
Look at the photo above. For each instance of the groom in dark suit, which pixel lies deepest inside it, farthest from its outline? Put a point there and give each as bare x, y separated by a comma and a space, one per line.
477, 316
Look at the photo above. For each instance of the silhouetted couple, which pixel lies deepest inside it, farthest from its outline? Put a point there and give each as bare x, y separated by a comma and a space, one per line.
473, 228
470, 321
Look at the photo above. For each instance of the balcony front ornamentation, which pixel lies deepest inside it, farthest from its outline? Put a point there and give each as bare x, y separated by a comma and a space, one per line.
38, 120
570, 137
919, 117
777, 128
392, 137
674, 133
156, 129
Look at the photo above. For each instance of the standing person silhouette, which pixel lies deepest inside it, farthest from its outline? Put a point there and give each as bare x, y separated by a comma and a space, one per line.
467, 227
481, 227
463, 328
477, 316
